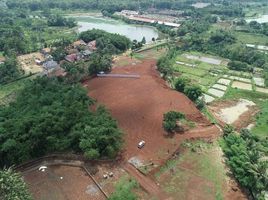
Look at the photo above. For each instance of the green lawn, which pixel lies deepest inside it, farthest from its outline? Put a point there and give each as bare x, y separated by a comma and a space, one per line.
190, 70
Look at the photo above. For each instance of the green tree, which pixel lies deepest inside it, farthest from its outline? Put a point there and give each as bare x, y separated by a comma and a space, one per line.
143, 41
50, 115
12, 186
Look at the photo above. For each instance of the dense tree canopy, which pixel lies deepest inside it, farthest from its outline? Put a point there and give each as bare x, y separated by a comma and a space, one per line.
9, 70
58, 20
51, 116
247, 158
105, 40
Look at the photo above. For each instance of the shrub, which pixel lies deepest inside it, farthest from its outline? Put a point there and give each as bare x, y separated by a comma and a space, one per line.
193, 92
180, 84
170, 120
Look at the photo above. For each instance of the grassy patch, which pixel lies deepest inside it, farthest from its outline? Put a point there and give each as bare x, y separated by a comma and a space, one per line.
200, 165
251, 38
12, 87
262, 121
235, 94
124, 189
209, 115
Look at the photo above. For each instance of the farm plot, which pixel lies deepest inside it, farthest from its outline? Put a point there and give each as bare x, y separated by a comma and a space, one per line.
223, 81
263, 90
241, 85
205, 59
216, 92
246, 80
220, 87
208, 98
28, 62
190, 70
239, 74
259, 81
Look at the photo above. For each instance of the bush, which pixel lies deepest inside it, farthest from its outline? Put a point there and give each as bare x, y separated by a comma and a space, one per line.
240, 66
193, 92
170, 120
180, 84
123, 190
200, 104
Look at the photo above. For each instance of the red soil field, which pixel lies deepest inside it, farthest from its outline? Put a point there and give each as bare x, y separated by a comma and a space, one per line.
75, 184
139, 104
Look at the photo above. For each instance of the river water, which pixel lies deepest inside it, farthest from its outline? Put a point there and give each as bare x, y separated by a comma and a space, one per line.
132, 31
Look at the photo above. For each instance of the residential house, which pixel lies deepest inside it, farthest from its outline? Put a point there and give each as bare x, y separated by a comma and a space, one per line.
86, 53
78, 44
71, 57
92, 45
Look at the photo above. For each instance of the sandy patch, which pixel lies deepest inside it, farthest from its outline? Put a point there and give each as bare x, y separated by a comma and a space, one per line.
208, 98
215, 92
28, 62
259, 81
220, 87
240, 85
224, 81
230, 114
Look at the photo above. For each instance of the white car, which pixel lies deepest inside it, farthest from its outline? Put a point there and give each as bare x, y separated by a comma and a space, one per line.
141, 144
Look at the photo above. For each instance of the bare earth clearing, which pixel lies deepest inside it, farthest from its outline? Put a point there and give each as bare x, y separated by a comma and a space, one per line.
62, 183
238, 113
138, 105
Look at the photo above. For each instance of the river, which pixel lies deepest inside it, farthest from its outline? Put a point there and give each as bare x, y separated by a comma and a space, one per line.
132, 31
261, 19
